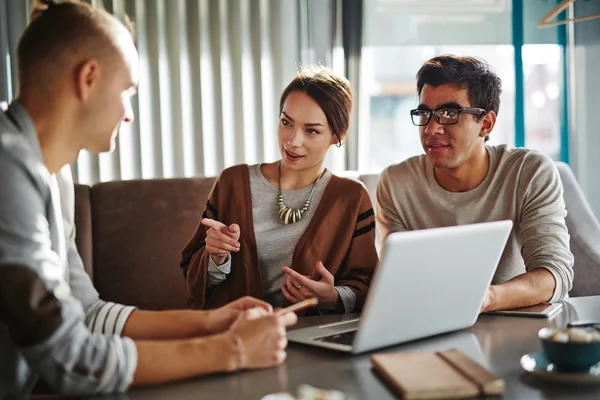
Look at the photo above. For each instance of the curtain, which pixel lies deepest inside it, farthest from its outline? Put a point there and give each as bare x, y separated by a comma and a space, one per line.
13, 19
211, 72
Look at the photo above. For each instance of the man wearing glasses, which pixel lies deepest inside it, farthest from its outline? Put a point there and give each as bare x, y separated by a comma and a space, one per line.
461, 180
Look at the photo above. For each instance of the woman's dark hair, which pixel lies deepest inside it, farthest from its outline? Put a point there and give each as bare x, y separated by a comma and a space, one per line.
332, 93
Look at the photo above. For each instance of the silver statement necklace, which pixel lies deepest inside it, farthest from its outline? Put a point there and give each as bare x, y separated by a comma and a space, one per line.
290, 215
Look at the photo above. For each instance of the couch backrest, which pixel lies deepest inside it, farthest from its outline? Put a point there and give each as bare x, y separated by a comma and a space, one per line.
139, 229
585, 235
83, 227
130, 235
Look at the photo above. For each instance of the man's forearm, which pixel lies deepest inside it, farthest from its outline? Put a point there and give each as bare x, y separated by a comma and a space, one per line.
165, 361
527, 289
162, 325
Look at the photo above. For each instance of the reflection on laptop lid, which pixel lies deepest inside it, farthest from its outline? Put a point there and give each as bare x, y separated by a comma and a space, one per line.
429, 281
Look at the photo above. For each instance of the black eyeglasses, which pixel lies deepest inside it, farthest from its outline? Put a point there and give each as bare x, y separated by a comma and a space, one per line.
444, 116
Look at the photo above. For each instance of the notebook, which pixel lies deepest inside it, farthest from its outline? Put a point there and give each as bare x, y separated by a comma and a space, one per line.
544, 310
448, 374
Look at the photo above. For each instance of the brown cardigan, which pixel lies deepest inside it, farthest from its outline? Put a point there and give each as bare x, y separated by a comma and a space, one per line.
341, 234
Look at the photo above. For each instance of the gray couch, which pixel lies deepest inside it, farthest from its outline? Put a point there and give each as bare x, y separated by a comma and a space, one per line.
585, 236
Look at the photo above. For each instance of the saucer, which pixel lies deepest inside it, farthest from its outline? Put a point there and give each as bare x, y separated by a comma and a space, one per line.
538, 365
308, 392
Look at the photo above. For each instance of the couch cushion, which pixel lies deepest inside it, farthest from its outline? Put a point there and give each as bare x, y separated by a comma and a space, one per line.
83, 227
370, 181
584, 229
139, 230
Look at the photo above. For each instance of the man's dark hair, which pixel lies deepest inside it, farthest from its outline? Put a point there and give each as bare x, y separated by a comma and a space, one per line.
483, 85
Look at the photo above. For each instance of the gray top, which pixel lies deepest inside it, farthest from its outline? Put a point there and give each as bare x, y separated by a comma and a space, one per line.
45, 295
521, 185
275, 241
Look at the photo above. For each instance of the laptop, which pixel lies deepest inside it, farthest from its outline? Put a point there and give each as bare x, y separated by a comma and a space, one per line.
428, 282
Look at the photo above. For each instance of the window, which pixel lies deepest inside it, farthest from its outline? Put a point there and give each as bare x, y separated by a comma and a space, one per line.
388, 134
542, 72
399, 35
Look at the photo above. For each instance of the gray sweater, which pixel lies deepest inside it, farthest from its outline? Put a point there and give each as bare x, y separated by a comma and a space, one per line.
521, 185
52, 322
275, 241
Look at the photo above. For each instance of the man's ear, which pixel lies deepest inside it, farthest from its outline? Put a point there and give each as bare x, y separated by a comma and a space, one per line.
488, 122
87, 79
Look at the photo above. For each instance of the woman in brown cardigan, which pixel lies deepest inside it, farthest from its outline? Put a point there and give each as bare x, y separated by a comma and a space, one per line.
289, 230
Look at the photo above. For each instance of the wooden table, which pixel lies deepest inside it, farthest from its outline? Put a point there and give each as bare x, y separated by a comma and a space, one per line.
498, 341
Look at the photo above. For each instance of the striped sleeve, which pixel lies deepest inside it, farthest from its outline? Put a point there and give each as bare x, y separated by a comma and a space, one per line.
365, 223
197, 243
194, 261
210, 211
361, 257
109, 318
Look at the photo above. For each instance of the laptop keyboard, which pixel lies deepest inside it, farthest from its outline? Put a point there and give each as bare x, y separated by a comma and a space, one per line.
346, 338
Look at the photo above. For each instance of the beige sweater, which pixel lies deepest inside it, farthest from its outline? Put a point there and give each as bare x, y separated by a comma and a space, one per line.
521, 185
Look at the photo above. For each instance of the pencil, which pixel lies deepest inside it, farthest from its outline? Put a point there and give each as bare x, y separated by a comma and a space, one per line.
299, 306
